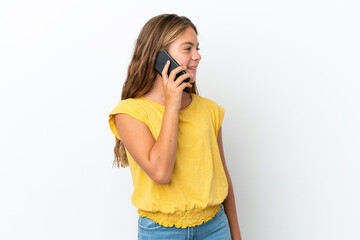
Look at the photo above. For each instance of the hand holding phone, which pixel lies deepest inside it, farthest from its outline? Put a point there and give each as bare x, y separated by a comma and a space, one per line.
161, 58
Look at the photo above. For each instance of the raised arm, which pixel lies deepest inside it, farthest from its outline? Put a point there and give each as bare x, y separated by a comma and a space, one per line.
156, 157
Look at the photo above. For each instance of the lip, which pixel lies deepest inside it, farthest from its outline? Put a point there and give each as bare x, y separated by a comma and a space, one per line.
189, 68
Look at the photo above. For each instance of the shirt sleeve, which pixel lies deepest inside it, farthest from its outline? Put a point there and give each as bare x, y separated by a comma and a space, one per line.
219, 117
129, 107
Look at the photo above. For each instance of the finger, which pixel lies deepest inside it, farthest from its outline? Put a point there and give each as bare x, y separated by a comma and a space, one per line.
185, 85
174, 72
165, 71
180, 79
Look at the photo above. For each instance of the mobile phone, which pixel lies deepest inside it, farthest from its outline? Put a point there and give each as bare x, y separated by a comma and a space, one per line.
161, 58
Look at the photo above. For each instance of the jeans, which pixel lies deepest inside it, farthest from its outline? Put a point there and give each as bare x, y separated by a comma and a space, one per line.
216, 228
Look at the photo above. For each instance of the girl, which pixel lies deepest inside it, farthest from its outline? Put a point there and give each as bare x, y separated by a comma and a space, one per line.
171, 139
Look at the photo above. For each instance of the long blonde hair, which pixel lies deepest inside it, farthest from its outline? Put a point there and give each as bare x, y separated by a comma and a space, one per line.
156, 35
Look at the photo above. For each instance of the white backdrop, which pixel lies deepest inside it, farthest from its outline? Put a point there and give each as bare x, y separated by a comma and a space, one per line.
287, 73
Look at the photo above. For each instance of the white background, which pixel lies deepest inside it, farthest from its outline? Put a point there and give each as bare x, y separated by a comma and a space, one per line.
287, 73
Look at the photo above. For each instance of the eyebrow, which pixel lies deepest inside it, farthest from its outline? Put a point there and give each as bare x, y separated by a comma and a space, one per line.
189, 43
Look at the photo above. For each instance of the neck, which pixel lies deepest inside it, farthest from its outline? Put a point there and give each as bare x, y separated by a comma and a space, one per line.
157, 90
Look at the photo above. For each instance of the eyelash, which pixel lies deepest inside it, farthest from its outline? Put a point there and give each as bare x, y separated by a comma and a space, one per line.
188, 49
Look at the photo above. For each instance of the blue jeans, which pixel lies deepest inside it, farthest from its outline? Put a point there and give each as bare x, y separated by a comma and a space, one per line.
216, 228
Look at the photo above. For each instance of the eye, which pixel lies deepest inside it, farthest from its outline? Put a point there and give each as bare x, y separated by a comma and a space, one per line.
188, 49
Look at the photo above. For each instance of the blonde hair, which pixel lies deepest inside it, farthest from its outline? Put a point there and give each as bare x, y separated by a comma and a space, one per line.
156, 35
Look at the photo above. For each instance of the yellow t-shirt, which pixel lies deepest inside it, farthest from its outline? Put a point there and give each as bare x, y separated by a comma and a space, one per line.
198, 183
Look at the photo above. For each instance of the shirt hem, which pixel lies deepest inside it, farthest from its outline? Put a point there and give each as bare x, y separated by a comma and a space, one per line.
182, 219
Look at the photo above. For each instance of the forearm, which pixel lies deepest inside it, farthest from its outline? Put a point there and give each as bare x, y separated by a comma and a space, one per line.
164, 150
230, 210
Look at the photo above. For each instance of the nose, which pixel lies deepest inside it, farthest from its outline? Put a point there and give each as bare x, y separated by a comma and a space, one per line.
196, 56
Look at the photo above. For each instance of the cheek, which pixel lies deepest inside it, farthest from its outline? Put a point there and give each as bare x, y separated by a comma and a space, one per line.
179, 58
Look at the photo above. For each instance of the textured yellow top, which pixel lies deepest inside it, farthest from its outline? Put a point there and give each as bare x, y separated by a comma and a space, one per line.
198, 183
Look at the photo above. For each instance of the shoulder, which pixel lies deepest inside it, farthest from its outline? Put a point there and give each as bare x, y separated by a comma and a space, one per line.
211, 104
128, 101
213, 110
129, 104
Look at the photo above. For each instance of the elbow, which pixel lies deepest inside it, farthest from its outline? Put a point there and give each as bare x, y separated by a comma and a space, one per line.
163, 181
162, 177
